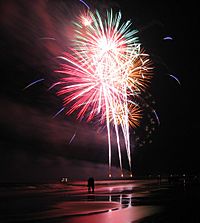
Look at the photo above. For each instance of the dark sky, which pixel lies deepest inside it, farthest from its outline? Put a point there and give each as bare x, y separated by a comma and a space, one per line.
34, 146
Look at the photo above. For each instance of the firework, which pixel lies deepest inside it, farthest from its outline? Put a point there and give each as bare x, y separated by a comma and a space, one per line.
57, 113
34, 82
104, 72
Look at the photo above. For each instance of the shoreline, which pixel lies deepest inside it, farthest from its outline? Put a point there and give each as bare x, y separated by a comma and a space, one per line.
110, 202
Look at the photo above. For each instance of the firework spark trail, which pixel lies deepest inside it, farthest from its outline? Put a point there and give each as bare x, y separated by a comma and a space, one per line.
104, 72
156, 116
47, 38
57, 113
72, 138
174, 77
168, 38
85, 3
34, 82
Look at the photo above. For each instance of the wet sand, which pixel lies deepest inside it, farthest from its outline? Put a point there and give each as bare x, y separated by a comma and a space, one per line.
112, 202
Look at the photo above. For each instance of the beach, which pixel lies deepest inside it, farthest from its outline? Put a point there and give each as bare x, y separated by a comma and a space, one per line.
113, 201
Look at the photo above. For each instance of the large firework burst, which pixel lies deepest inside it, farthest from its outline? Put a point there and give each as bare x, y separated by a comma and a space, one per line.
104, 72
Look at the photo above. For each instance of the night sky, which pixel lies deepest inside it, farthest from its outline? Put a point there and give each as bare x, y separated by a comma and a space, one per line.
36, 146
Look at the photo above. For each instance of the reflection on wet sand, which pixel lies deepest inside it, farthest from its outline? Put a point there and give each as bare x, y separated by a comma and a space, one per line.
112, 201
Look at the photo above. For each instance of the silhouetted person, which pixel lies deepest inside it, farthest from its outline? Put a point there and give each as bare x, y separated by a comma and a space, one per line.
159, 178
90, 184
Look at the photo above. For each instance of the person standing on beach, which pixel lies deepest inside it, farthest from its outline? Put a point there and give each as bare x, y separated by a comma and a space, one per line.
90, 184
